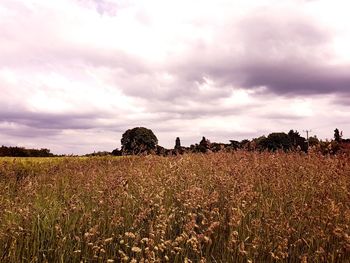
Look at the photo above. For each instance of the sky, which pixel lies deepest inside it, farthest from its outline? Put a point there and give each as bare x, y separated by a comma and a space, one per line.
76, 74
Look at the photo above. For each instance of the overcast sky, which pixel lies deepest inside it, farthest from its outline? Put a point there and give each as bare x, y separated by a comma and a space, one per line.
75, 74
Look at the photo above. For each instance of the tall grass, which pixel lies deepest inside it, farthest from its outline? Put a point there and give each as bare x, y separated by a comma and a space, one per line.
240, 207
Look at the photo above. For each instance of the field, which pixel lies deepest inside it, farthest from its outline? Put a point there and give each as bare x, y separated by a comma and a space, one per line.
224, 207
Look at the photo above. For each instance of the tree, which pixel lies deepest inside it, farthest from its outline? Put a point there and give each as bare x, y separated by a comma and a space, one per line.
244, 144
313, 141
23, 152
297, 140
234, 144
117, 152
337, 135
258, 143
278, 140
204, 145
177, 143
138, 140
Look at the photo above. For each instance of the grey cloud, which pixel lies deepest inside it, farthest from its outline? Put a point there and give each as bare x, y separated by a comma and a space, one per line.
22, 122
294, 79
49, 121
343, 100
151, 86
25, 132
287, 55
274, 36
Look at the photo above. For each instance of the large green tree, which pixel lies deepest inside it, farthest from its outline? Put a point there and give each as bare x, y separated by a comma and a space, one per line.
138, 140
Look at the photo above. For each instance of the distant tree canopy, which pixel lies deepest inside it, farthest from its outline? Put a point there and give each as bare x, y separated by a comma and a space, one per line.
313, 141
235, 144
280, 140
277, 140
23, 152
138, 140
99, 153
116, 152
203, 145
297, 140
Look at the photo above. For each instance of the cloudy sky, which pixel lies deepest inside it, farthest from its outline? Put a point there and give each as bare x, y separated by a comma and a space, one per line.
75, 74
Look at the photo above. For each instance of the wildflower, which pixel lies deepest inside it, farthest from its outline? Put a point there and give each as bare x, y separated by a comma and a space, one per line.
130, 235
136, 249
108, 240
144, 240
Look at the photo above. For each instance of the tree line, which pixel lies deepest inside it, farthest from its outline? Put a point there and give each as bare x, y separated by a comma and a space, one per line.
23, 152
142, 141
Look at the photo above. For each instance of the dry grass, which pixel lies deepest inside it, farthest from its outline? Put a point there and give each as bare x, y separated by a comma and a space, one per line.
241, 207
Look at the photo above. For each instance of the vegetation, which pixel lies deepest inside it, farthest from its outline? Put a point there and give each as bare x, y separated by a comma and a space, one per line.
177, 143
225, 207
138, 140
23, 152
277, 141
337, 135
142, 141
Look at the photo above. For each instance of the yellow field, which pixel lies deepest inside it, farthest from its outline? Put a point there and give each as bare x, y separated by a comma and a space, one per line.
239, 207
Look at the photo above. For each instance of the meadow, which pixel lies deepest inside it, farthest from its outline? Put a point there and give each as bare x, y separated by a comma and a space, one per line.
223, 207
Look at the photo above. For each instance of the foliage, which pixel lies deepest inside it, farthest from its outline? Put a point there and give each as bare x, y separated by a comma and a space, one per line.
138, 140
235, 144
313, 141
297, 141
117, 152
328, 147
177, 143
99, 153
204, 145
337, 136
240, 207
258, 143
277, 140
217, 147
23, 152
244, 144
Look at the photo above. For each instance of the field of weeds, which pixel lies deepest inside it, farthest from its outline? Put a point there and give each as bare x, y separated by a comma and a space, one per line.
238, 207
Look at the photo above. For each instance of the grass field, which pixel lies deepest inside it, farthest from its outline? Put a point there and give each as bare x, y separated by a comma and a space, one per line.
224, 207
